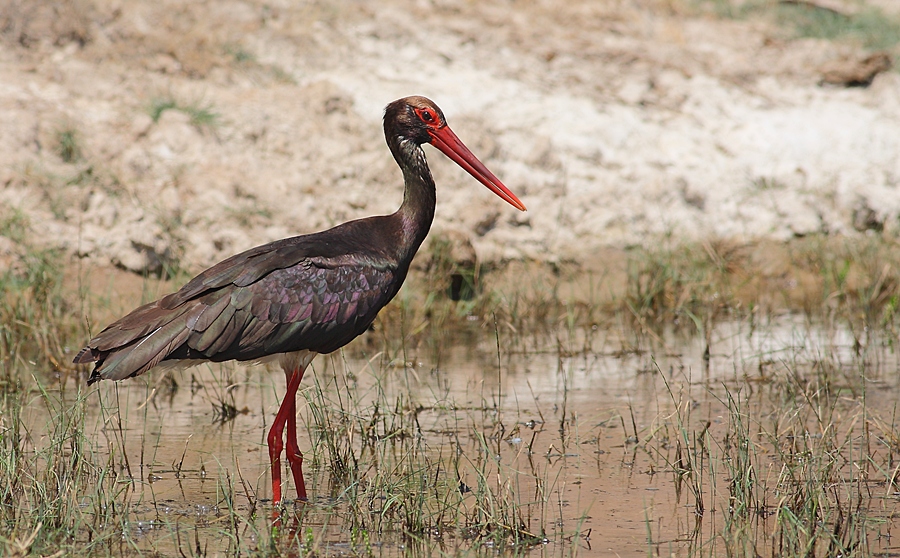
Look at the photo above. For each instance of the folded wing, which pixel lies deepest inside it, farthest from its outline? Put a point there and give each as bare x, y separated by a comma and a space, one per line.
272, 299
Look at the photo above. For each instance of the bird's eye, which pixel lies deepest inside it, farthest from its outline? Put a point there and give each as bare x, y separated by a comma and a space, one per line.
426, 115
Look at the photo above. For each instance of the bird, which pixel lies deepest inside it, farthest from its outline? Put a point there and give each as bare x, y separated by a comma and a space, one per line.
298, 297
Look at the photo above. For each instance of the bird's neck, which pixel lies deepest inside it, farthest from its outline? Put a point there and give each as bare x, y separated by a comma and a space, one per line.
417, 211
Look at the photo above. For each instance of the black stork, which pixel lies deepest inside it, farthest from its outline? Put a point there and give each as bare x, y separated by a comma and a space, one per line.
295, 298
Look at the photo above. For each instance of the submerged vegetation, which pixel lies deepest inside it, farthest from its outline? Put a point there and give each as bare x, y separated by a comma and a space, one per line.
751, 387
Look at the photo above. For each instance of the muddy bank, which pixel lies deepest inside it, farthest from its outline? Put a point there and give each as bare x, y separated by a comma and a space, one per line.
146, 135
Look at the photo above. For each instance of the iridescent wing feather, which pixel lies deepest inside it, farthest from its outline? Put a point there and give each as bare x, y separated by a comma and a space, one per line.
272, 299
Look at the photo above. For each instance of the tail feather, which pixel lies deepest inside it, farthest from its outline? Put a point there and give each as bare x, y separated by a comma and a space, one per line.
150, 334
136, 358
137, 324
137, 342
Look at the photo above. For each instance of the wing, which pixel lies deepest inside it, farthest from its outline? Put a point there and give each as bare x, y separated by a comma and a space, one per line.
344, 245
249, 306
311, 306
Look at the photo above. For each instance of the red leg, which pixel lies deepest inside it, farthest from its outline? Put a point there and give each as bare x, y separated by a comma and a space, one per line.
295, 458
286, 414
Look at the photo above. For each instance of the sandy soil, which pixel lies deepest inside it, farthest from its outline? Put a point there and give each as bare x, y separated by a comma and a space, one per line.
615, 121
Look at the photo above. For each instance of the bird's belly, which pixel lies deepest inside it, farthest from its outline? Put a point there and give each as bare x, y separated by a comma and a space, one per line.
287, 361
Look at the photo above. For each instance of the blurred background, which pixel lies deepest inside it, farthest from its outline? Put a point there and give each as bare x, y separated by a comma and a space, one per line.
164, 135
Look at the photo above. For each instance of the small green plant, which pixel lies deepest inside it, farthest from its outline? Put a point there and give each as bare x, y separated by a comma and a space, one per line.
201, 115
160, 105
14, 225
240, 54
67, 145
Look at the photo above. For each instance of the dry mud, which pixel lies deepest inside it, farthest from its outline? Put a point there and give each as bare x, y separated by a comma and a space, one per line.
615, 121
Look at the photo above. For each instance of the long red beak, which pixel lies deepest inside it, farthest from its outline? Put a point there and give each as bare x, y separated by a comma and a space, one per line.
444, 139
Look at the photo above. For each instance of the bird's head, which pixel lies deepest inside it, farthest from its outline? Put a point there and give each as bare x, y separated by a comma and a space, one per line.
413, 118
418, 120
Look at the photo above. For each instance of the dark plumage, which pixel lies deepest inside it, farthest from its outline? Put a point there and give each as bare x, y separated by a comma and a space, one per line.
296, 297
313, 292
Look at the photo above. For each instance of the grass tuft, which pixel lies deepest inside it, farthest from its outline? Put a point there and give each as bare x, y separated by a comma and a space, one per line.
201, 115
36, 319
68, 145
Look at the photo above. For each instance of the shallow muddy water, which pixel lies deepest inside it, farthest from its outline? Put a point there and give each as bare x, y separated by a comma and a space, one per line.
625, 447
